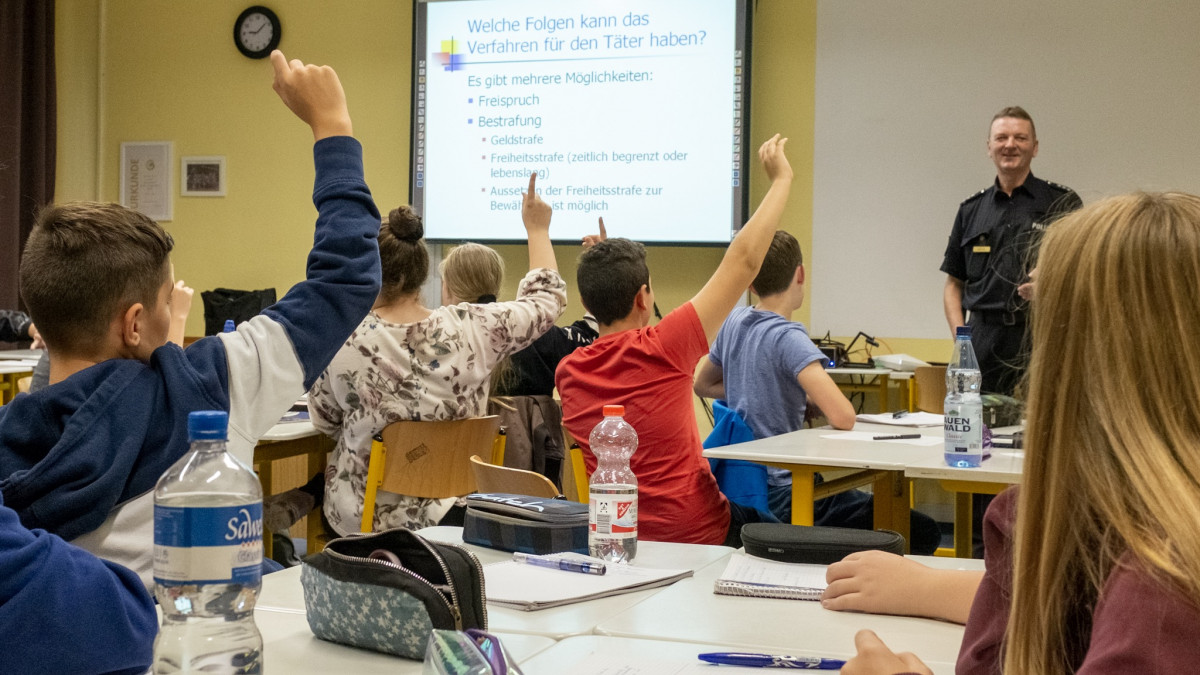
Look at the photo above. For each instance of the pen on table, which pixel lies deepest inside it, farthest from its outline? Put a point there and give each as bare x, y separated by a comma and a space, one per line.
896, 437
560, 564
898, 414
771, 661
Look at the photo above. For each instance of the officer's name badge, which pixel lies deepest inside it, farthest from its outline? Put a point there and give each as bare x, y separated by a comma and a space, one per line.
981, 249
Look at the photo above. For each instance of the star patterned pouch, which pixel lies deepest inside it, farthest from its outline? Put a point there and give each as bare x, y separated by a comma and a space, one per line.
388, 590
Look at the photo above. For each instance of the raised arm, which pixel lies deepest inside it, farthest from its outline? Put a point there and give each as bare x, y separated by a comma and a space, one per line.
536, 213
952, 303
710, 380
823, 392
745, 254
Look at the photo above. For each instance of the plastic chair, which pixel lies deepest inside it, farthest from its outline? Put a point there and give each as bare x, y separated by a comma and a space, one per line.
931, 388
428, 459
497, 478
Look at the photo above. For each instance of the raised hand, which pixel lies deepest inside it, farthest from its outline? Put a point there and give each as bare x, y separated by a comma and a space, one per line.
314, 94
535, 213
593, 239
774, 160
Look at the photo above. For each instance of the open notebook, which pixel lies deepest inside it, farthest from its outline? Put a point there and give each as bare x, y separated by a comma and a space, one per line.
756, 577
529, 587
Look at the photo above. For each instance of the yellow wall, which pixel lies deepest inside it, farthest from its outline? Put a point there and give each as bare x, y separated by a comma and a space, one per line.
144, 70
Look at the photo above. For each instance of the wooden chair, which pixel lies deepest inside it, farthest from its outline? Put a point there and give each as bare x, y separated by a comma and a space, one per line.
428, 459
931, 388
575, 477
499, 478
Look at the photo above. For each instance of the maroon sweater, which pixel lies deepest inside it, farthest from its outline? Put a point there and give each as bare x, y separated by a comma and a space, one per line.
1139, 625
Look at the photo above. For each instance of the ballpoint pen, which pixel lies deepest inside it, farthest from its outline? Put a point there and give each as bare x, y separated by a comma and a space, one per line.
772, 661
896, 437
560, 564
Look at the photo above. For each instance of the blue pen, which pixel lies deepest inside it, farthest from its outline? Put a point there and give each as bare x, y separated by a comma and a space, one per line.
560, 564
771, 661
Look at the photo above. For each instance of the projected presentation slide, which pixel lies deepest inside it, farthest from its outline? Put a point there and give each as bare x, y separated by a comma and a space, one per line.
631, 111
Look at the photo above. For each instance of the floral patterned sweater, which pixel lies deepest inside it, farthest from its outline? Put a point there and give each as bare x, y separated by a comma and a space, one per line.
435, 369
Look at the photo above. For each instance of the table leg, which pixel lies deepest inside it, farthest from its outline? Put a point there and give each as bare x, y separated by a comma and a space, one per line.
264, 479
883, 393
892, 506
802, 496
963, 544
316, 465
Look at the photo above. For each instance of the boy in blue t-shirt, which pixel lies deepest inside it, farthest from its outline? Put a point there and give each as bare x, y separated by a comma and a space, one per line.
767, 369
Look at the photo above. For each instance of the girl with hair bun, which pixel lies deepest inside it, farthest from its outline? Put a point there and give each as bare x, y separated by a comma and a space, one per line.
408, 362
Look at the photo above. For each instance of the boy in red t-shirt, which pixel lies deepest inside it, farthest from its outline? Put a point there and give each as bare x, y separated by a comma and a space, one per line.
648, 369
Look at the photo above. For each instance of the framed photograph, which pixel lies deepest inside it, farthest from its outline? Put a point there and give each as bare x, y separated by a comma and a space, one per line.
146, 178
202, 177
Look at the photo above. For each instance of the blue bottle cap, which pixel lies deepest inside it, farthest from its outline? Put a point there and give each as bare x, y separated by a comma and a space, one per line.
229, 326
208, 425
962, 331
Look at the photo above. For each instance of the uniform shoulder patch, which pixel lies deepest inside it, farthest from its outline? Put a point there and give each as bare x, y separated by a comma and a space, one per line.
975, 196
1058, 186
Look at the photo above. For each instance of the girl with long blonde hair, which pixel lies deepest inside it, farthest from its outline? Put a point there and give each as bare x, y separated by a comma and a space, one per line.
1105, 570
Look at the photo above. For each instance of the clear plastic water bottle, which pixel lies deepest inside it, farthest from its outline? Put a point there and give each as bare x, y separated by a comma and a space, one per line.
612, 495
208, 557
964, 406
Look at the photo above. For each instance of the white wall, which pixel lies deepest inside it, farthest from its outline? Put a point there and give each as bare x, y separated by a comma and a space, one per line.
905, 91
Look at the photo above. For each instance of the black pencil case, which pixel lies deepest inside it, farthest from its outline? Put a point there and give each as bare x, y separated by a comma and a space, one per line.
536, 525
387, 591
815, 545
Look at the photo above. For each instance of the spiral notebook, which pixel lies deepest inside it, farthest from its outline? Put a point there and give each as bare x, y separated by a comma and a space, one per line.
759, 578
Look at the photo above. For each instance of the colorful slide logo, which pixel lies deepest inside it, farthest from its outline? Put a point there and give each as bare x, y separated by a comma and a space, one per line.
450, 57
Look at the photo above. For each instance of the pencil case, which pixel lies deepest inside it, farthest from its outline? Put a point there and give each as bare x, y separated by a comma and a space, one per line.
538, 525
387, 591
813, 544
470, 652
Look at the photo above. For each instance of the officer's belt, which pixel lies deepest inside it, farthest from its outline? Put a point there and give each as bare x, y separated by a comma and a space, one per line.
999, 318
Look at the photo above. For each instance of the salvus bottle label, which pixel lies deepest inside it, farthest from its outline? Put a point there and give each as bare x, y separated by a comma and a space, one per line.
208, 544
613, 515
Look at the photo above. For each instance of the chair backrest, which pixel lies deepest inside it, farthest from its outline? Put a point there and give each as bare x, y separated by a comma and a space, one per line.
433, 459
575, 477
931, 388
427, 459
495, 478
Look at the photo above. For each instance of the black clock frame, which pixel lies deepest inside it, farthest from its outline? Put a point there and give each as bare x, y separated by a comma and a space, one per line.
275, 25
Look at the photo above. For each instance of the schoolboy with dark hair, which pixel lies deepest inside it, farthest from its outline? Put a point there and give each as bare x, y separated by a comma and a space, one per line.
609, 276
80, 458
648, 369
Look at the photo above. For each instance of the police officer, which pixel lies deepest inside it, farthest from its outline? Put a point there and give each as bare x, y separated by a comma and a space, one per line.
992, 250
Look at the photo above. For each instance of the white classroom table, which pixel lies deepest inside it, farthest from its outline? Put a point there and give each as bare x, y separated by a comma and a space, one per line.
995, 474
880, 464
566, 656
688, 611
290, 647
282, 591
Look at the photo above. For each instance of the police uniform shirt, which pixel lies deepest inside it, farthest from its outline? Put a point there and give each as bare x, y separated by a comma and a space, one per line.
994, 240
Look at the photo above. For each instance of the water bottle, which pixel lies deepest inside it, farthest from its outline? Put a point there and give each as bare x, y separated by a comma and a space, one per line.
208, 557
612, 492
964, 406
